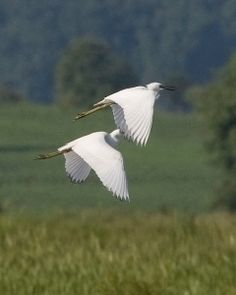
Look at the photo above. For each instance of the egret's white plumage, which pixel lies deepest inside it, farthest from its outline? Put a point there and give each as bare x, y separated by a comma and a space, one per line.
133, 110
96, 151
132, 115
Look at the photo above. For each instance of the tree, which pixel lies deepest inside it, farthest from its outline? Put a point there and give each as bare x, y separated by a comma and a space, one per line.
88, 71
158, 37
9, 95
217, 103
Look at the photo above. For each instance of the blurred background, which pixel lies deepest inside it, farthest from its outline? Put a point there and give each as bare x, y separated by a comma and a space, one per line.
59, 57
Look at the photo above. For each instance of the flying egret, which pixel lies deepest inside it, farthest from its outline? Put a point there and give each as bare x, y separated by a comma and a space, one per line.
132, 110
95, 151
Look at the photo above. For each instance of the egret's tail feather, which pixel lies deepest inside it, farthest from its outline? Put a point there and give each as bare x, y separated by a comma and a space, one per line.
93, 110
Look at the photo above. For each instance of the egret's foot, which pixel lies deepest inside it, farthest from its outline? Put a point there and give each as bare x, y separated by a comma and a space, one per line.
80, 115
52, 154
41, 157
93, 110
48, 156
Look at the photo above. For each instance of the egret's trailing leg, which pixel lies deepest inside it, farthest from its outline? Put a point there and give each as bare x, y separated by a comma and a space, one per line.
52, 154
93, 110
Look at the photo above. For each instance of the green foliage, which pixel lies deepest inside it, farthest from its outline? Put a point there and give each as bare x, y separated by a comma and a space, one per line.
217, 103
88, 71
171, 172
103, 253
226, 192
159, 38
8, 95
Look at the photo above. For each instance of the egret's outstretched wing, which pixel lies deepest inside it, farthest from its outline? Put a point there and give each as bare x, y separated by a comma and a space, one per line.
77, 169
119, 117
135, 124
106, 161
133, 112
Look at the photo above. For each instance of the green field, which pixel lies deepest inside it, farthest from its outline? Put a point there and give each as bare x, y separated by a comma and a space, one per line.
172, 172
105, 253
61, 238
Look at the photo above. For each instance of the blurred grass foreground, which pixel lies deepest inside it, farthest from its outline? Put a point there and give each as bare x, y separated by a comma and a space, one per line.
106, 253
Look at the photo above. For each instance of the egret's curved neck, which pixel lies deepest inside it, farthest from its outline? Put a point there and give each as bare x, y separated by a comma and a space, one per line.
114, 137
157, 95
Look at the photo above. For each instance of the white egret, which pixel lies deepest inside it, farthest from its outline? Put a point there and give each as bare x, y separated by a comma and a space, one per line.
132, 110
95, 151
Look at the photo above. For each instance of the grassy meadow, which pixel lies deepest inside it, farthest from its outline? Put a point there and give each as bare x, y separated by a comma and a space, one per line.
108, 253
171, 172
61, 238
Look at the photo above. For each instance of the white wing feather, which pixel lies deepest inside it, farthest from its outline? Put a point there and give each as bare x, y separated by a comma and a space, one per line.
133, 112
77, 169
106, 161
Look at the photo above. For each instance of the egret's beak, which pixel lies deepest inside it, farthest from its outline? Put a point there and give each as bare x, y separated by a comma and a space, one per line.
167, 87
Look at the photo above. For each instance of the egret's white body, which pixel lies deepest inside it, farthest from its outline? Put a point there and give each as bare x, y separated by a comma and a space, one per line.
133, 110
97, 151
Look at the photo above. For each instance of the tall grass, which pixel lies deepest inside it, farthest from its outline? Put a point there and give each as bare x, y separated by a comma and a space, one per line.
111, 253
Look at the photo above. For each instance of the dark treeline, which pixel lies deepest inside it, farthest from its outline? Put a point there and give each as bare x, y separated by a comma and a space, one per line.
161, 39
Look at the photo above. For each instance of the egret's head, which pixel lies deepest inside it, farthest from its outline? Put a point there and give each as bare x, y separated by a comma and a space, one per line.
157, 87
114, 137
